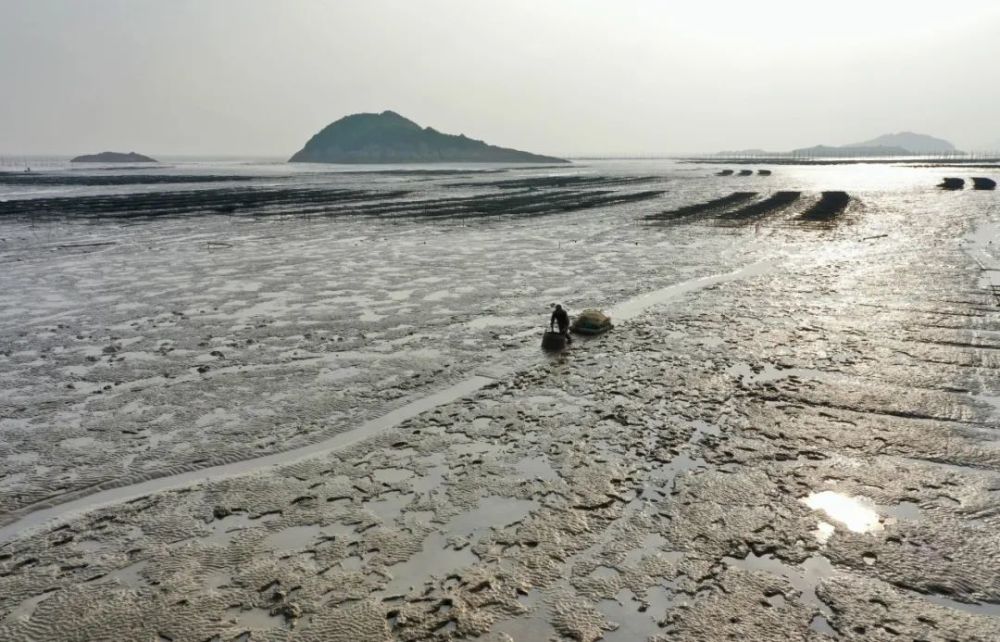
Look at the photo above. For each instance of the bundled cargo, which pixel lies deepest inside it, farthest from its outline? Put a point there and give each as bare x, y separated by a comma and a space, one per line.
591, 321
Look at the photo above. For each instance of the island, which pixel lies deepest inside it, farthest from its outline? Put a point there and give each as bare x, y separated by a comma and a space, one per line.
391, 138
113, 157
887, 145
912, 143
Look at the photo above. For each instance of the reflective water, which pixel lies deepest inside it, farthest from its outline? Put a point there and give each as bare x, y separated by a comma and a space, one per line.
857, 514
636, 619
25, 609
436, 559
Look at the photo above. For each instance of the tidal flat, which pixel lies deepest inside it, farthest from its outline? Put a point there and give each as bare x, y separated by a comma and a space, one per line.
270, 403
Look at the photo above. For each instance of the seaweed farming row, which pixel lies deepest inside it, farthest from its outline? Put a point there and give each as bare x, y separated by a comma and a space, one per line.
314, 202
33, 179
180, 203
741, 208
774, 203
699, 210
743, 172
978, 182
561, 182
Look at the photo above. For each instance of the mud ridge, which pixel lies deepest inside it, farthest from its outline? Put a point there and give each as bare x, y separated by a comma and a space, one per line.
182, 203
306, 202
559, 182
702, 209
770, 205
830, 206
39, 179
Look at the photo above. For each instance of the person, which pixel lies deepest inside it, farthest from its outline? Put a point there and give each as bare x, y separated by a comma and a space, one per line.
560, 317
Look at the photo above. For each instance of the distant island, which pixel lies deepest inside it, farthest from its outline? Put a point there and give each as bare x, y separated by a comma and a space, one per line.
391, 138
114, 157
910, 142
901, 144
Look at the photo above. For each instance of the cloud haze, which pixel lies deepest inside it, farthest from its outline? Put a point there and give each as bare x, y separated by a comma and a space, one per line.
565, 77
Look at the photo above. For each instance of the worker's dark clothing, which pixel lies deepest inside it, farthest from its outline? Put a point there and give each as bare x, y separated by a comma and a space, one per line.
560, 317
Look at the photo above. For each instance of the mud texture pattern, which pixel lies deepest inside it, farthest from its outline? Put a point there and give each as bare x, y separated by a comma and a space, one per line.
791, 433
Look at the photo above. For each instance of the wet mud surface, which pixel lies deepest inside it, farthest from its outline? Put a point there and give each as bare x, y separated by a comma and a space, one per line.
808, 449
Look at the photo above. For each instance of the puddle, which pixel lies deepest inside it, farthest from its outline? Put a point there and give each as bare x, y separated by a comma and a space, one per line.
430, 480
532, 626
604, 573
858, 514
682, 463
225, 529
389, 505
633, 624
902, 510
26, 609
536, 468
769, 373
128, 576
216, 580
420, 516
472, 448
435, 559
294, 538
352, 563
804, 578
391, 475
702, 428
492, 512
821, 625
254, 619
985, 609
649, 547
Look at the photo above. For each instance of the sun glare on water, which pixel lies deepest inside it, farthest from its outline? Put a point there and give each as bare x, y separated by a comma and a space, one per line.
858, 514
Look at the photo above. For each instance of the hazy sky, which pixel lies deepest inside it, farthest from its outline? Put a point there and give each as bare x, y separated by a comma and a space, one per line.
259, 77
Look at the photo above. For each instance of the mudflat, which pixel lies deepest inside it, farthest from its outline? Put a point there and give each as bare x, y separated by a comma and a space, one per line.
332, 421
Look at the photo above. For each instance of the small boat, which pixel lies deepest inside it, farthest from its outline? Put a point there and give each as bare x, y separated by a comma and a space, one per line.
725, 172
746, 172
952, 183
591, 322
764, 172
981, 182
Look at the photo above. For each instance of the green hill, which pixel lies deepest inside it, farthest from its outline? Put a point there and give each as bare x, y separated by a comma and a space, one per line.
390, 138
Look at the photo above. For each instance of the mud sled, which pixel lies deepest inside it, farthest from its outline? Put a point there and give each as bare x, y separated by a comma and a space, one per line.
553, 341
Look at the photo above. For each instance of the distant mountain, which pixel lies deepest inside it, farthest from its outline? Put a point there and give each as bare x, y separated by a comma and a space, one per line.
821, 151
113, 157
745, 152
901, 144
913, 143
390, 138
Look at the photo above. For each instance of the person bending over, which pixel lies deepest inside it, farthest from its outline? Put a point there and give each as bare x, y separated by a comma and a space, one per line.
561, 318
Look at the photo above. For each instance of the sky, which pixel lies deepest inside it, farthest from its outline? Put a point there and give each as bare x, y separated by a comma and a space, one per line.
568, 77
